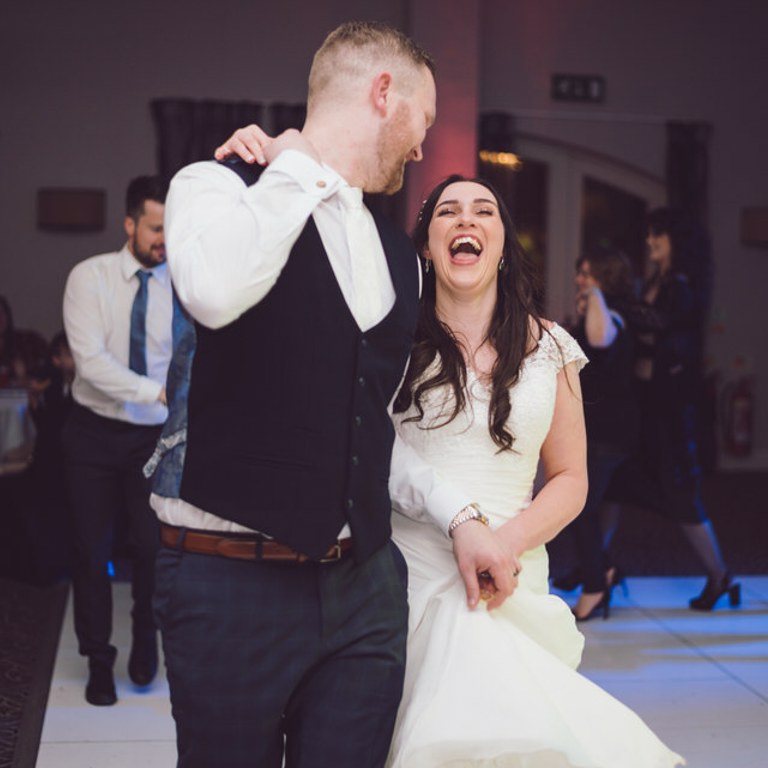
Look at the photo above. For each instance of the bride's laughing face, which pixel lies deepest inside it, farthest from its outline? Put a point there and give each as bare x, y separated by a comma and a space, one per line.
466, 240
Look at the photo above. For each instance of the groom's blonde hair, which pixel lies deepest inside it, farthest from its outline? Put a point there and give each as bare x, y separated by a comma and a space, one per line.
357, 49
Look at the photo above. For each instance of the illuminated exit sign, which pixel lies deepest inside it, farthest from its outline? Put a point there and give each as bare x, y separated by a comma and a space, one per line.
590, 88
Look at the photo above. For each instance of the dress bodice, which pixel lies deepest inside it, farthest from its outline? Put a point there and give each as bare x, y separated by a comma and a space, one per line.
463, 451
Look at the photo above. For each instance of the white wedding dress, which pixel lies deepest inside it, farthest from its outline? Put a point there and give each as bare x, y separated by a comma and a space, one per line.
499, 688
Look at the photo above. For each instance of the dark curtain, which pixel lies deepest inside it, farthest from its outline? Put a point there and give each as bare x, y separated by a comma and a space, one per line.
688, 170
688, 193
280, 117
188, 130
496, 132
523, 189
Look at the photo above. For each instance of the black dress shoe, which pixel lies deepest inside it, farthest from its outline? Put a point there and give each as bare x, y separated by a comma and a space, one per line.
142, 663
100, 690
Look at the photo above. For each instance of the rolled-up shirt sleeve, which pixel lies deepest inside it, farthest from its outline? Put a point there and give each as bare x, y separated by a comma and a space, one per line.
417, 490
227, 243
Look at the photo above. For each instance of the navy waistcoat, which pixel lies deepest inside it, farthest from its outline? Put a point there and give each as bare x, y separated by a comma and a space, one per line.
288, 430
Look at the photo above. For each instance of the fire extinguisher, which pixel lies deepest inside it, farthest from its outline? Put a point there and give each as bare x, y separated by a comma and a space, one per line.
738, 409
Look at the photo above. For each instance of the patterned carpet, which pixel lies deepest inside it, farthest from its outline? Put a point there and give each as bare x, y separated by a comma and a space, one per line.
30, 623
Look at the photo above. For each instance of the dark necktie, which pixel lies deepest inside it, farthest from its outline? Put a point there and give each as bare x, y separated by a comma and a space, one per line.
137, 357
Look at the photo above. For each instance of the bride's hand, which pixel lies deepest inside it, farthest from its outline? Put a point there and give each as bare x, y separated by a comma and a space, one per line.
486, 566
247, 143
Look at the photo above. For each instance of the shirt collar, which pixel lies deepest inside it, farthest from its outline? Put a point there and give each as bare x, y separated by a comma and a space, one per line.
351, 197
348, 196
129, 265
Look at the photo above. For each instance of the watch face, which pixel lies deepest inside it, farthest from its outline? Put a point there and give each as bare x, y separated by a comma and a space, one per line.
470, 512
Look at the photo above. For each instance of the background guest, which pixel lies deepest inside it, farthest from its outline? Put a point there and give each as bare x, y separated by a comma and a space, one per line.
21, 351
604, 293
665, 474
50, 401
118, 314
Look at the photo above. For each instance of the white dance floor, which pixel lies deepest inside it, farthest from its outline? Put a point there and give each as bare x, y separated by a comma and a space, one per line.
699, 680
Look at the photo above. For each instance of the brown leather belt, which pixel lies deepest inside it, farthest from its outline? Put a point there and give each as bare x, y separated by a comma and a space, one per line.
242, 546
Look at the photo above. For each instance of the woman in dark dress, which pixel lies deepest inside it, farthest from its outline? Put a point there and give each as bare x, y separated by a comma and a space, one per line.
669, 321
604, 294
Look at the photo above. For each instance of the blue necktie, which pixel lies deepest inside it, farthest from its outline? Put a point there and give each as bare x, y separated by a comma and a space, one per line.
137, 357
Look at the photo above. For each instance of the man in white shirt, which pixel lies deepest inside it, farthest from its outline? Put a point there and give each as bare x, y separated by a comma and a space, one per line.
118, 311
288, 644
280, 597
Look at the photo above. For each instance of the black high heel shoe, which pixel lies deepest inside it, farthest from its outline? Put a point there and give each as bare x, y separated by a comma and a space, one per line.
602, 607
714, 590
616, 578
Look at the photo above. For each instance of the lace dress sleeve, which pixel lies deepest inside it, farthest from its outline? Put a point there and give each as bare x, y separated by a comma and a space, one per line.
560, 348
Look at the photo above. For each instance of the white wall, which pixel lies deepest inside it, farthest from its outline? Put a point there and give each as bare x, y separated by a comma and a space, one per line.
685, 60
76, 80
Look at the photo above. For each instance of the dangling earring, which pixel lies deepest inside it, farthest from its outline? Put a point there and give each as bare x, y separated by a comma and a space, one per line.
427, 263
501, 264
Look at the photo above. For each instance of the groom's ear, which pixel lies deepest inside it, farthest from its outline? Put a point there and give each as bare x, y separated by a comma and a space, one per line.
381, 93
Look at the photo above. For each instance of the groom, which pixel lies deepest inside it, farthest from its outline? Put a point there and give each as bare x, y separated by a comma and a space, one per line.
291, 641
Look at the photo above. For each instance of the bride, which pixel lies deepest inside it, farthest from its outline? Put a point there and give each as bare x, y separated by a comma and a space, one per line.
491, 390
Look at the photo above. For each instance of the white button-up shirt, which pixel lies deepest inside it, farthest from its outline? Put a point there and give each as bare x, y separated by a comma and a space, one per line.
227, 245
98, 299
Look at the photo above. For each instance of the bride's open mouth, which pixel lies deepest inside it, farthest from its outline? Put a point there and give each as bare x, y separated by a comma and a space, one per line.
463, 246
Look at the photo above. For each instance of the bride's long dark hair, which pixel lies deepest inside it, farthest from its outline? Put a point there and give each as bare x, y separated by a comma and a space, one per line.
514, 318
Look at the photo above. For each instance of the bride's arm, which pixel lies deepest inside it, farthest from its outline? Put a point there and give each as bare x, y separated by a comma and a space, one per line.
564, 461
419, 492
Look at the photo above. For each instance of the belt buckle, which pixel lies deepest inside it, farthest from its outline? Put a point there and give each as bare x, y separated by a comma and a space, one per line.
335, 554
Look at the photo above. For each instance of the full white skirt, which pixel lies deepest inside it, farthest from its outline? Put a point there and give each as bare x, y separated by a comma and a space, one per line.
499, 688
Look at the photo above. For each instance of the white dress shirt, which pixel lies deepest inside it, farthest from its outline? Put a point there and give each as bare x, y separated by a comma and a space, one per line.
98, 298
227, 245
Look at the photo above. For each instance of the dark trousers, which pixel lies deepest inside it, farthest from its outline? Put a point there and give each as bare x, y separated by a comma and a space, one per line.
107, 490
265, 658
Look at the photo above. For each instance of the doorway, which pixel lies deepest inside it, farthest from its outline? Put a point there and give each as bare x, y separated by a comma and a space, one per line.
566, 200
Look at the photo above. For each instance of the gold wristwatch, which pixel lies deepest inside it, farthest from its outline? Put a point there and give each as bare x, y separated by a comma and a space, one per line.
470, 512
